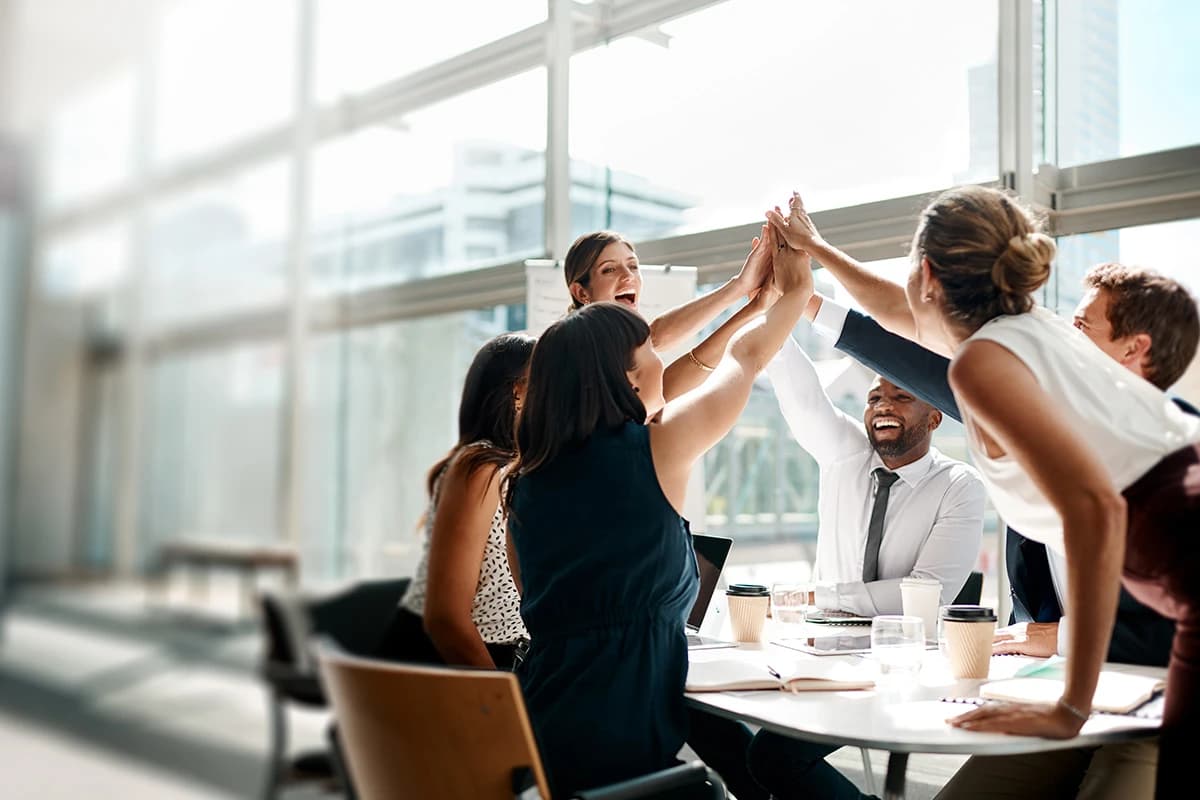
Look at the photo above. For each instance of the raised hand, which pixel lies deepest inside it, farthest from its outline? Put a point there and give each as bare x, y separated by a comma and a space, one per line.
758, 264
793, 268
797, 227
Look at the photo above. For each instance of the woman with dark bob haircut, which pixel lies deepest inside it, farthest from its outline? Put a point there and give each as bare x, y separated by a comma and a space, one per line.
603, 266
605, 559
462, 606
1076, 452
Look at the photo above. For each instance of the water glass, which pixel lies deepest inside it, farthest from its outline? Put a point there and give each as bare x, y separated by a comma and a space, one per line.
789, 602
898, 645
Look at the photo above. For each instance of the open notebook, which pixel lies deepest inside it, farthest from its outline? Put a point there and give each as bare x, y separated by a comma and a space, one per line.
1116, 692
734, 676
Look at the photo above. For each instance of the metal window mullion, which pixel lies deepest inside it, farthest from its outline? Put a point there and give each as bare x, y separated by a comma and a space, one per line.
559, 48
293, 438
1015, 71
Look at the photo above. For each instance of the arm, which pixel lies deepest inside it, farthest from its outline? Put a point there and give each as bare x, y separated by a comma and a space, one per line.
684, 374
672, 328
902, 361
693, 423
460, 530
820, 427
947, 554
1003, 400
883, 299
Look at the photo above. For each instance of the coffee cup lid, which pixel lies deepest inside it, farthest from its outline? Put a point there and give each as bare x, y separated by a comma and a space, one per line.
964, 613
747, 590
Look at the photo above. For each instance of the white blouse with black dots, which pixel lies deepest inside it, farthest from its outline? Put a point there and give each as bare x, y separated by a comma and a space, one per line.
496, 611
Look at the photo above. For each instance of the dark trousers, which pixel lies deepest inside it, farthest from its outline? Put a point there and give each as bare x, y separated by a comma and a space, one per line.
1162, 570
722, 744
793, 769
405, 639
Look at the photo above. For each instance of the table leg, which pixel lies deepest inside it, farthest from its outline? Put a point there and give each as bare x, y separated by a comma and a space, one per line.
893, 785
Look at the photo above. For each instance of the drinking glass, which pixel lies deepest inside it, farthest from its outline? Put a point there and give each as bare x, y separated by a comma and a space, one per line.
789, 602
898, 645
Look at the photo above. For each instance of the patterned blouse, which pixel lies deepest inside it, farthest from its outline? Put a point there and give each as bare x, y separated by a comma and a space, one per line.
496, 611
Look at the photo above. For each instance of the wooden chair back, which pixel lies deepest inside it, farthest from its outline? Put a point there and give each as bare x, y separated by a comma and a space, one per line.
422, 731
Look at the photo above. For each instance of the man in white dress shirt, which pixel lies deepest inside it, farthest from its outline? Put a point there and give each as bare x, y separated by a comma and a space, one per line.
890, 505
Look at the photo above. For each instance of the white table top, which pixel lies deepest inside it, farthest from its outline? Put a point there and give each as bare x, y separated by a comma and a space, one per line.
909, 719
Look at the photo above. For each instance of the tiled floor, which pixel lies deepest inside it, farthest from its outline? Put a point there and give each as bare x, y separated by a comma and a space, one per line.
103, 696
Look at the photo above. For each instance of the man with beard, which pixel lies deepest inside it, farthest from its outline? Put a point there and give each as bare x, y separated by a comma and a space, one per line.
890, 505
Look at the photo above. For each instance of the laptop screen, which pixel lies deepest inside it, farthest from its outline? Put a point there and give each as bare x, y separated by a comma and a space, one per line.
711, 552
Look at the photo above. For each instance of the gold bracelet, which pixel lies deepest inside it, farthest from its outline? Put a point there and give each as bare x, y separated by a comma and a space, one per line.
1075, 712
698, 362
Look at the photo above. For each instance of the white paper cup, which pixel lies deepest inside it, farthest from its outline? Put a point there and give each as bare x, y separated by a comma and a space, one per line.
921, 597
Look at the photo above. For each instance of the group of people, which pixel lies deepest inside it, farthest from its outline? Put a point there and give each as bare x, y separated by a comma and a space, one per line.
555, 542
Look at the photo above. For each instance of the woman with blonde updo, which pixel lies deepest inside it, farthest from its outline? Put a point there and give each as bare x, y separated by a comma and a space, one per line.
1076, 452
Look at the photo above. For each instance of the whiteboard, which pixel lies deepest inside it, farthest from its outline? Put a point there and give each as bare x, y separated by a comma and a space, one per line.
663, 288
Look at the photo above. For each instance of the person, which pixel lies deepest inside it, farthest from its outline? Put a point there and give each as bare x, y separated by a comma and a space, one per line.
594, 501
603, 266
891, 506
463, 606
1034, 394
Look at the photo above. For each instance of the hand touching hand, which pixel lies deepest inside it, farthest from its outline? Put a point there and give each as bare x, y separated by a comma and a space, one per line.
793, 268
757, 268
1039, 639
797, 228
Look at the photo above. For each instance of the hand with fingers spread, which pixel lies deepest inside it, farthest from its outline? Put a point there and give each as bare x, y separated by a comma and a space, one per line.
796, 229
1022, 719
1038, 639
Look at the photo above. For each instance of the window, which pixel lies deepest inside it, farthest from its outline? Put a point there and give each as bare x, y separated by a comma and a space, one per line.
437, 195
219, 248
363, 43
383, 407
211, 463
1126, 75
750, 99
90, 142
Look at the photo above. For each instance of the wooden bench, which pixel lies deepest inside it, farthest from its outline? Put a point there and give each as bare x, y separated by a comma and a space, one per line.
201, 556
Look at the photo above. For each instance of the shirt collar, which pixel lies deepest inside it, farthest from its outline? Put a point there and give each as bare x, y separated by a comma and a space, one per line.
912, 473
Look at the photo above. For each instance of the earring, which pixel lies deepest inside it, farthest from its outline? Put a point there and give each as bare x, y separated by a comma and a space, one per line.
635, 389
928, 297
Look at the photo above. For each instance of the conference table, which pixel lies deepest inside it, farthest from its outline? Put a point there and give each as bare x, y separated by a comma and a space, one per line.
898, 717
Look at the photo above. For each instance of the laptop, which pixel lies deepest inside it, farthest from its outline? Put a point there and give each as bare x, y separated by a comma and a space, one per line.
711, 554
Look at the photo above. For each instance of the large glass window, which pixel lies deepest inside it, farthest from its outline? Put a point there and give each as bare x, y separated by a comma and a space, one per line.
363, 43
1126, 75
382, 408
750, 99
224, 69
86, 263
212, 447
90, 142
429, 193
220, 247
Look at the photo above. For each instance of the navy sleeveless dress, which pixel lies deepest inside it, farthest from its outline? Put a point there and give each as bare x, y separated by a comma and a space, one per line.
609, 576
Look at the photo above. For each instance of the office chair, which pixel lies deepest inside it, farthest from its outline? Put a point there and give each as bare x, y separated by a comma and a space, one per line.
456, 734
355, 618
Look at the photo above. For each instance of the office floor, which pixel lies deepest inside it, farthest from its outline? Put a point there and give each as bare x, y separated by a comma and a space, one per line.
103, 696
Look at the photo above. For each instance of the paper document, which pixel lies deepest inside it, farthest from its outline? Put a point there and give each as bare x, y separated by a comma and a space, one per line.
1116, 692
731, 675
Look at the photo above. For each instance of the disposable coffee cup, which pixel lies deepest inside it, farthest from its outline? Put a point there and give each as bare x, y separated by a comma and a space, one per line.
921, 597
969, 631
748, 604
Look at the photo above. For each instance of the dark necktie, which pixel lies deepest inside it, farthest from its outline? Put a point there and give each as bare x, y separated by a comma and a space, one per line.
883, 487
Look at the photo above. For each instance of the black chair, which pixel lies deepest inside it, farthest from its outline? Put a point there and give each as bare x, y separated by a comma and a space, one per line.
356, 619
971, 591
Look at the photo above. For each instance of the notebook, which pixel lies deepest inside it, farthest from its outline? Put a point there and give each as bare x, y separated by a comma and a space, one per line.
735, 675
1116, 692
711, 554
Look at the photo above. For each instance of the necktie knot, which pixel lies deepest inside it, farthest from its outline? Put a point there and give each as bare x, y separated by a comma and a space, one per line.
884, 478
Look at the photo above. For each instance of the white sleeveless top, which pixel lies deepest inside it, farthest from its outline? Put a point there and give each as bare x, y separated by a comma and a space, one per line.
1130, 423
496, 611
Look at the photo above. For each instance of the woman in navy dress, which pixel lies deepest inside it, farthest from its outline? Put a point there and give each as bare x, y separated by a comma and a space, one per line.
606, 563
